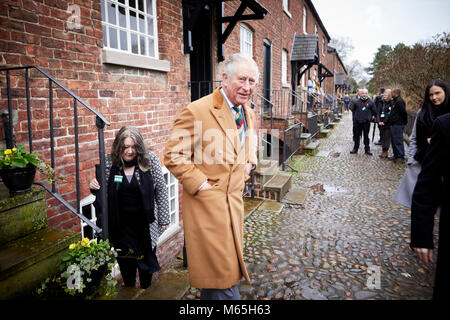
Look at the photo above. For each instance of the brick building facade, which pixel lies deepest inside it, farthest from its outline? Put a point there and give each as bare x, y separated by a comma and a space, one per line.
128, 60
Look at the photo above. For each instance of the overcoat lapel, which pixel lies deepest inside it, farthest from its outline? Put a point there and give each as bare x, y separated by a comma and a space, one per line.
224, 118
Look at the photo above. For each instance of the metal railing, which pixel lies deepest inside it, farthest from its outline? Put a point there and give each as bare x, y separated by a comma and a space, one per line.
99, 122
291, 143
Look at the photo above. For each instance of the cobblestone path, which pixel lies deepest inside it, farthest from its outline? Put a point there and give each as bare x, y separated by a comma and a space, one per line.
348, 240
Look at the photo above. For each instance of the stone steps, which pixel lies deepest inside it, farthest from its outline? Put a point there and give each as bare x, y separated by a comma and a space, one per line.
29, 249
28, 261
280, 183
312, 148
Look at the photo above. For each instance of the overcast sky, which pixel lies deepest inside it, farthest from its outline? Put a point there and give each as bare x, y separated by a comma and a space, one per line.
371, 23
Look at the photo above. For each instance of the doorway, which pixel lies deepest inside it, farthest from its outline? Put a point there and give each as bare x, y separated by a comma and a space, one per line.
267, 72
201, 57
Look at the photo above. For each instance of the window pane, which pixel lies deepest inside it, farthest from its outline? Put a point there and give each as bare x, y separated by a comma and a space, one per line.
150, 26
111, 13
123, 40
141, 23
105, 40
133, 22
151, 53
150, 7
122, 1
142, 41
134, 43
113, 38
122, 17
172, 190
172, 204
132, 3
103, 10
141, 5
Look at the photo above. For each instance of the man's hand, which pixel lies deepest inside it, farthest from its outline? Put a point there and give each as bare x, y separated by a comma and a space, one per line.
425, 255
205, 186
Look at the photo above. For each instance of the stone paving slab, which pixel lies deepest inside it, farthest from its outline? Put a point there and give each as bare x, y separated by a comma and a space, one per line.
296, 195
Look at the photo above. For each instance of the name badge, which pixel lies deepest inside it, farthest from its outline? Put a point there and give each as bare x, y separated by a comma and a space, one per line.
118, 178
364, 109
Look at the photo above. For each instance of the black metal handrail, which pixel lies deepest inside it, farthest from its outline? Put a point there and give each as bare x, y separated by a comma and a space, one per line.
291, 143
100, 123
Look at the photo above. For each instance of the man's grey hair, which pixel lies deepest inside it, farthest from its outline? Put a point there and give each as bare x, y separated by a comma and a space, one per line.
236, 59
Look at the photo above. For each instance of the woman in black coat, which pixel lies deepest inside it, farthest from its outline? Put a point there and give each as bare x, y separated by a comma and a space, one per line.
136, 191
431, 109
431, 191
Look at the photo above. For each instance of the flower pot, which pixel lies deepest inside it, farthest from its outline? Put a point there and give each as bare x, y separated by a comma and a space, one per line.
18, 180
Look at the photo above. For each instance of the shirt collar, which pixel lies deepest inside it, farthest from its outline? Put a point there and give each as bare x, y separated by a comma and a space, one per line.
230, 105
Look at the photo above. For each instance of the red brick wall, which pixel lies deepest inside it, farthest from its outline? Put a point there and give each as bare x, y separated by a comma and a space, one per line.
35, 32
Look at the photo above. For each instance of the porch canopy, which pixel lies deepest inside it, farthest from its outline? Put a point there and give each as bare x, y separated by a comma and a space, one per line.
305, 52
192, 8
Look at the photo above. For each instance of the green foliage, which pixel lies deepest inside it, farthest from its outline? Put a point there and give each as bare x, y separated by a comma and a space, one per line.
18, 157
411, 68
79, 265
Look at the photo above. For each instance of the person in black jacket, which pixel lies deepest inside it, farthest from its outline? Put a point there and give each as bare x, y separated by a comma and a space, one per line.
378, 100
397, 122
436, 103
135, 191
431, 191
364, 112
383, 113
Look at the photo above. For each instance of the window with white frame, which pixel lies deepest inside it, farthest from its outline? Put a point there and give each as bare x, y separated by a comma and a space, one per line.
172, 191
304, 19
284, 62
286, 8
323, 47
130, 26
316, 31
246, 41
87, 209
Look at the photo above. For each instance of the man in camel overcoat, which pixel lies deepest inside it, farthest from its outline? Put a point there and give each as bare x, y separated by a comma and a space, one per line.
211, 151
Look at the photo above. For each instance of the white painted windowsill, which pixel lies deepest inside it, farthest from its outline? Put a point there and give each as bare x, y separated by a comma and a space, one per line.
134, 60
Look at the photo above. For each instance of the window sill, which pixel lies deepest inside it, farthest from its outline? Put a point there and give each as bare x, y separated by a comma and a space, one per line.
285, 85
171, 231
134, 60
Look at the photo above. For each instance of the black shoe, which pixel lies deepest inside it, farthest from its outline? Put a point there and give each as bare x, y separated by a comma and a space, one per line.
353, 151
378, 143
391, 158
368, 153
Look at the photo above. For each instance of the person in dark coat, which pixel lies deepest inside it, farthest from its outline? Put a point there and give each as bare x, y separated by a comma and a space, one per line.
135, 188
364, 113
378, 100
431, 109
436, 102
431, 191
397, 122
383, 112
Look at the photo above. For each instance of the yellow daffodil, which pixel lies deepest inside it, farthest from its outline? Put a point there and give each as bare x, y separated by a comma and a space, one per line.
14, 149
72, 246
8, 151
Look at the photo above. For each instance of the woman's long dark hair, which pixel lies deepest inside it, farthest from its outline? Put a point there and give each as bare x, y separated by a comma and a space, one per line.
429, 111
143, 158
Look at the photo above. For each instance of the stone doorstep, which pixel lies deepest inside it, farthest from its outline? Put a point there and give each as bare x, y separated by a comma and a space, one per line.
28, 261
280, 183
305, 139
312, 147
296, 195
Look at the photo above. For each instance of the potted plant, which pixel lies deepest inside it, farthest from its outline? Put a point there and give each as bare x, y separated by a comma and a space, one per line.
18, 168
84, 269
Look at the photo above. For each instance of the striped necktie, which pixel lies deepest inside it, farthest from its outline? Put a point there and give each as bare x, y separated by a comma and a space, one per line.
239, 119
